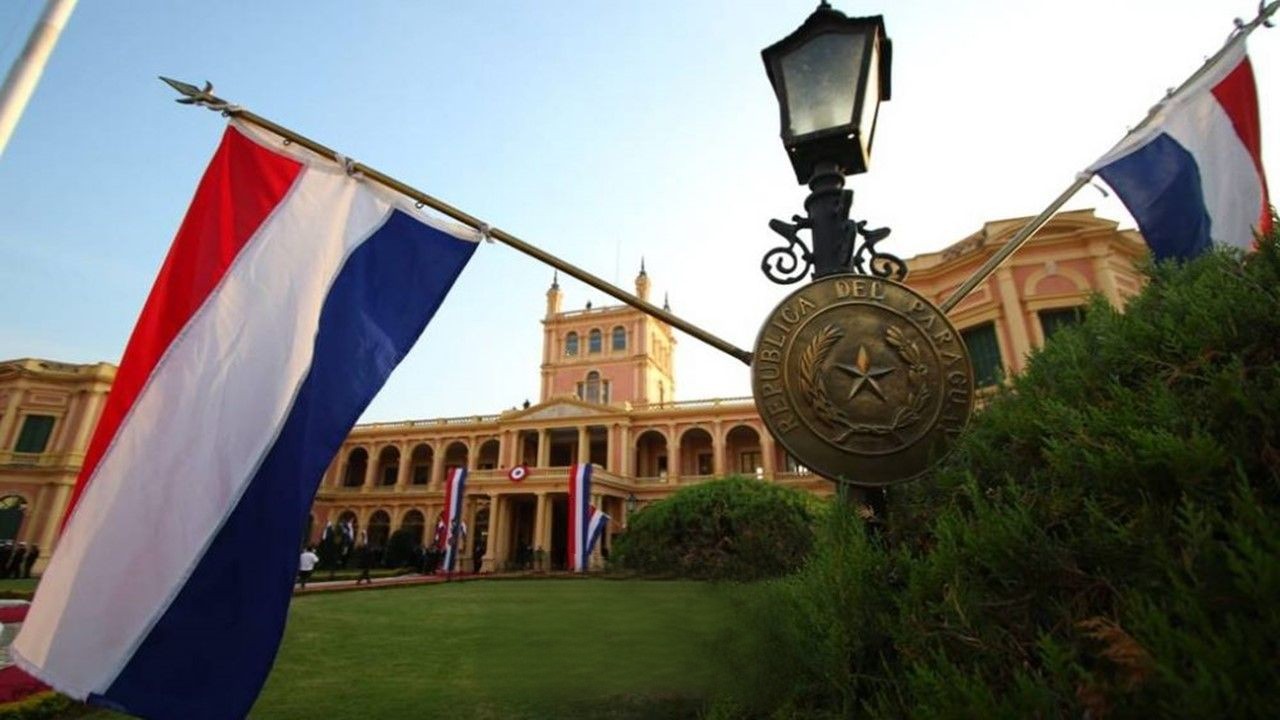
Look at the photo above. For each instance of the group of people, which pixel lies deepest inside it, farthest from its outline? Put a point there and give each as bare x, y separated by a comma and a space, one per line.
16, 560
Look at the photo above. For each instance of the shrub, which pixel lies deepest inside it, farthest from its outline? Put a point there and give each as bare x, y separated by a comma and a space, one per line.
1104, 541
41, 706
736, 528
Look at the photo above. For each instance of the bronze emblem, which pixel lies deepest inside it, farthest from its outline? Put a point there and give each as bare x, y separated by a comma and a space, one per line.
862, 380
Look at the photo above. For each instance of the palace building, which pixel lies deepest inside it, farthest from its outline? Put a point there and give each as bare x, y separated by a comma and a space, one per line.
608, 397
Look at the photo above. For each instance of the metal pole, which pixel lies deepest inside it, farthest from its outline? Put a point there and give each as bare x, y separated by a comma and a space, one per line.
1241, 32
205, 98
26, 70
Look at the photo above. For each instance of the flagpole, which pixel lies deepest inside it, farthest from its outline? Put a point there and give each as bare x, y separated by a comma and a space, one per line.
1238, 36
25, 73
205, 98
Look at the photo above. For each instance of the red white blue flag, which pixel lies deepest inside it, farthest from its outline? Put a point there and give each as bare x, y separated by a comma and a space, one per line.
455, 487
1193, 176
586, 523
290, 293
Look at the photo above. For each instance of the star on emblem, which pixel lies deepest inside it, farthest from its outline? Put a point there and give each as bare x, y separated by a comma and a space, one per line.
866, 374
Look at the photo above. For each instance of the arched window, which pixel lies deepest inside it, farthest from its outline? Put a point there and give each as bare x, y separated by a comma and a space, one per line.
571, 344
593, 387
619, 338
595, 341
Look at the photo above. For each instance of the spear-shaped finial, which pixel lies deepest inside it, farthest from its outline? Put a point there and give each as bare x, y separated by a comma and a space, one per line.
203, 97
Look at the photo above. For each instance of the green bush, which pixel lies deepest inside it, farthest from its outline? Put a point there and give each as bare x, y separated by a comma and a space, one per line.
42, 706
1104, 541
736, 528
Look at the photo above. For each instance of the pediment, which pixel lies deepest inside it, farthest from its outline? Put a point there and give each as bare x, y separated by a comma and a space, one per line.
559, 409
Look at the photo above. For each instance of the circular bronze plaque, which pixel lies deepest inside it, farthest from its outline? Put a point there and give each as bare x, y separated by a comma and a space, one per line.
862, 380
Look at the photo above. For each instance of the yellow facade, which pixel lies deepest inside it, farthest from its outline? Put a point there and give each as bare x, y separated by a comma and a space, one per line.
607, 396
49, 411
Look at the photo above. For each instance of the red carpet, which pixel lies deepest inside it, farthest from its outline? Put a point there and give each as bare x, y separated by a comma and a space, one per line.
14, 683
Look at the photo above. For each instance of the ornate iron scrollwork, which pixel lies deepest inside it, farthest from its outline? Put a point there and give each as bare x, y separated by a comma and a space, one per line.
783, 264
790, 263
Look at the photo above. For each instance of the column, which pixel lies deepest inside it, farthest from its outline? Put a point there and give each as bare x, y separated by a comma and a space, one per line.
495, 553
718, 463
1105, 273
584, 444
437, 467
10, 416
769, 455
87, 422
540, 528
544, 447
673, 455
402, 470
370, 471
1014, 320
626, 453
473, 453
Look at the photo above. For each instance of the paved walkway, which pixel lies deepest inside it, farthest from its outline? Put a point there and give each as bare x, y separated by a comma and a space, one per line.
320, 586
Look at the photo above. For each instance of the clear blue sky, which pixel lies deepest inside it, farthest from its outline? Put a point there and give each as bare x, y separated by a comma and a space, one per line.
602, 131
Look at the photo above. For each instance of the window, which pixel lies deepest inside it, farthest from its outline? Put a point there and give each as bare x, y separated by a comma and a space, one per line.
421, 474
389, 473
592, 387
704, 464
571, 344
34, 437
984, 351
595, 341
749, 462
1051, 321
619, 338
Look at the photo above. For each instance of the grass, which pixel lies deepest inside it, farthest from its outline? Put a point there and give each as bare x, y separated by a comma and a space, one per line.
532, 649
18, 585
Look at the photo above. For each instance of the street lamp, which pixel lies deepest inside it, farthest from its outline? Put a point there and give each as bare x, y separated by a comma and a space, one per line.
632, 502
830, 77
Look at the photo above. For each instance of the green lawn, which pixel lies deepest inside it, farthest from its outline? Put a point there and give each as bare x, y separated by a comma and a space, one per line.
18, 585
500, 649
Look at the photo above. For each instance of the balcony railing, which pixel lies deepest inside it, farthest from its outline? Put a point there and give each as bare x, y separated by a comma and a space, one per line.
41, 460
691, 404
431, 422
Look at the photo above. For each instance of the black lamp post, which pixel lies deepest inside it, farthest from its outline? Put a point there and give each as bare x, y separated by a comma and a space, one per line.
830, 77
631, 503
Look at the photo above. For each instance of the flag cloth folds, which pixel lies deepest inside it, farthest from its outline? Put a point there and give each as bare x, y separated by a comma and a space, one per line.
455, 531
290, 293
1193, 176
586, 523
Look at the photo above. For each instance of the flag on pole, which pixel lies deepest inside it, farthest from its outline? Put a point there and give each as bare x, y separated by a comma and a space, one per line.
1193, 175
596, 524
585, 521
291, 291
455, 487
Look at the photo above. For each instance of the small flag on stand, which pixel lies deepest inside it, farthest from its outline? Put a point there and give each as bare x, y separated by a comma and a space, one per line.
455, 487
1193, 176
290, 293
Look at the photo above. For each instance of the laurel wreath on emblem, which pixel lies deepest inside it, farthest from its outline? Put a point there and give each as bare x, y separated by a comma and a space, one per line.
907, 415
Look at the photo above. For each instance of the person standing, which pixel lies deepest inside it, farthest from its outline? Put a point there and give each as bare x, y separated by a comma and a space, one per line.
15, 563
364, 560
32, 555
306, 565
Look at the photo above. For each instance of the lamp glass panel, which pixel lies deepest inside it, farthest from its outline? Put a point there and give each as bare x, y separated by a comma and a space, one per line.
871, 101
821, 79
